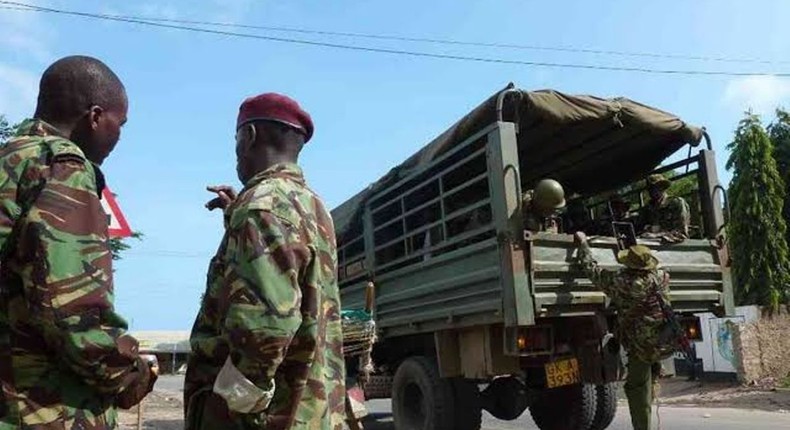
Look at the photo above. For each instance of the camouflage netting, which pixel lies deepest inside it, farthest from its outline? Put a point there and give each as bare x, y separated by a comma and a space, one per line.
589, 144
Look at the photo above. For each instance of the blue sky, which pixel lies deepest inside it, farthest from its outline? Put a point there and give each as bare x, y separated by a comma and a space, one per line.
370, 110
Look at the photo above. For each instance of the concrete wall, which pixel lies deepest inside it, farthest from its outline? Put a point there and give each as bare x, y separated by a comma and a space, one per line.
763, 349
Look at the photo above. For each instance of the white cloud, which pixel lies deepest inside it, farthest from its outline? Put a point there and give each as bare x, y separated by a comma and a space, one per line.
25, 34
762, 94
18, 91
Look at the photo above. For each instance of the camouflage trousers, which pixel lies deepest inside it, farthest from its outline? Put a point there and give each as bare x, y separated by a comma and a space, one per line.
639, 391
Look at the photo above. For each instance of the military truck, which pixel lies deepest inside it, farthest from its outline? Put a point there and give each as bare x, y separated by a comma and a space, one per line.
476, 313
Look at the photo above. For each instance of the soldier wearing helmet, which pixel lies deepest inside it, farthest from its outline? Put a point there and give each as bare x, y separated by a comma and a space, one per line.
665, 217
540, 206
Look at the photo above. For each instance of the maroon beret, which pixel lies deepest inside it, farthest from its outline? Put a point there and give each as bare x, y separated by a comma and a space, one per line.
278, 108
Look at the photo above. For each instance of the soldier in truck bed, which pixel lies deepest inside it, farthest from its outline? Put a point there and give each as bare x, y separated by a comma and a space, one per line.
665, 217
540, 206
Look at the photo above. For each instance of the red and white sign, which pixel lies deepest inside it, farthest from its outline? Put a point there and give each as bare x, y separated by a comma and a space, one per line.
118, 227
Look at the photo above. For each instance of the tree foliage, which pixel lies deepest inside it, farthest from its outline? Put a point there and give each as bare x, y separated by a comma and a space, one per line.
118, 245
6, 130
780, 137
760, 257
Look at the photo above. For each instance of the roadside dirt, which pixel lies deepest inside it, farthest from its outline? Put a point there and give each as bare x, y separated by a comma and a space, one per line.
678, 392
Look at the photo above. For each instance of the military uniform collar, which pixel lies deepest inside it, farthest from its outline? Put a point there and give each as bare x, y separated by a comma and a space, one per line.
37, 127
283, 170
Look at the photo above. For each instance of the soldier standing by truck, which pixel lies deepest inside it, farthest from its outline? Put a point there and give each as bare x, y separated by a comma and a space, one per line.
637, 292
267, 342
540, 206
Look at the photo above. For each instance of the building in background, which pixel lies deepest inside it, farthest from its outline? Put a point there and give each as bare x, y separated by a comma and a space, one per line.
170, 347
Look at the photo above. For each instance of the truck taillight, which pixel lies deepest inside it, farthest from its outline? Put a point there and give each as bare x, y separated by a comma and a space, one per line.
530, 340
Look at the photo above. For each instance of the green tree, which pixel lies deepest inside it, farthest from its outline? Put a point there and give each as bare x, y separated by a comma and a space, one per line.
6, 129
780, 137
760, 257
117, 245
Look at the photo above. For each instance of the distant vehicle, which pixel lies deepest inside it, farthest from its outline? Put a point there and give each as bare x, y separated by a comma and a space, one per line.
465, 297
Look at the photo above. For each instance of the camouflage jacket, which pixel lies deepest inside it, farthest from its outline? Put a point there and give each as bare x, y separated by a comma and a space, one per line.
65, 359
633, 294
272, 305
669, 219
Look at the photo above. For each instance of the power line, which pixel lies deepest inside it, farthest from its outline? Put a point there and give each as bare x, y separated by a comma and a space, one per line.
439, 41
399, 51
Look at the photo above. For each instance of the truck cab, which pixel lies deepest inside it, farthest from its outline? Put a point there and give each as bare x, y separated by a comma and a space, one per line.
466, 297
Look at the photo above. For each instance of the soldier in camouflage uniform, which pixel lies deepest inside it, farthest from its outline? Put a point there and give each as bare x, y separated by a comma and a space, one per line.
665, 217
540, 206
635, 291
66, 361
267, 342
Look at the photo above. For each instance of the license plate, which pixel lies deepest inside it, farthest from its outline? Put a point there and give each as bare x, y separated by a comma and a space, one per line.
563, 372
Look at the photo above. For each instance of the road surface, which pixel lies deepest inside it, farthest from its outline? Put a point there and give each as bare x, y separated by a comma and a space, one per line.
671, 417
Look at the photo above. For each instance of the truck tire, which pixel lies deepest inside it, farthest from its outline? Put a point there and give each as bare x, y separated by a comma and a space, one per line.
565, 408
421, 400
605, 406
467, 404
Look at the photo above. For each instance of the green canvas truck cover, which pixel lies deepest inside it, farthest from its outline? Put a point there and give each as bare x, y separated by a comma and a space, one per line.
589, 144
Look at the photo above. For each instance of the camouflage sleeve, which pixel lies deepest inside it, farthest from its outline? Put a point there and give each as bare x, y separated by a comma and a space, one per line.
265, 299
681, 217
67, 277
603, 279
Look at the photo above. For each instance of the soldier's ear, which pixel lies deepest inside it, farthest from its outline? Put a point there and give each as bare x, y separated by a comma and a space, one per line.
245, 137
95, 114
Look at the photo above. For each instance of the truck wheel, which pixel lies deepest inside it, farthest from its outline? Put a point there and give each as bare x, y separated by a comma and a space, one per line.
565, 408
605, 406
468, 407
421, 400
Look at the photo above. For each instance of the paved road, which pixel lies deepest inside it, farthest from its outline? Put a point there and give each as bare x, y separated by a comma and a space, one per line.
672, 418
170, 383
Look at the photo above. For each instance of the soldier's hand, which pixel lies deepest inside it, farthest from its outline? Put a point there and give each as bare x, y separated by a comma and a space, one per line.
142, 383
579, 237
225, 196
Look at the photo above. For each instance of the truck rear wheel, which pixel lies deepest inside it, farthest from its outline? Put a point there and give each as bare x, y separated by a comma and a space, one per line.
421, 400
605, 406
565, 408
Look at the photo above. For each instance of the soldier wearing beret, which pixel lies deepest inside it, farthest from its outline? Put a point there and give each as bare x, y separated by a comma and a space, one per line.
267, 342
665, 217
66, 359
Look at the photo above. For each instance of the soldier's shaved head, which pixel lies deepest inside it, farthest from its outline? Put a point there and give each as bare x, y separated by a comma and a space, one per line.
86, 101
71, 85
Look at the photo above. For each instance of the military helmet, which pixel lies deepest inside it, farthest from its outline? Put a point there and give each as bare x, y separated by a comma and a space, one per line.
637, 257
548, 195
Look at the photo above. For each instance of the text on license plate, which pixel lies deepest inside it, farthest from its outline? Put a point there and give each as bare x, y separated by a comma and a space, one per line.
563, 372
